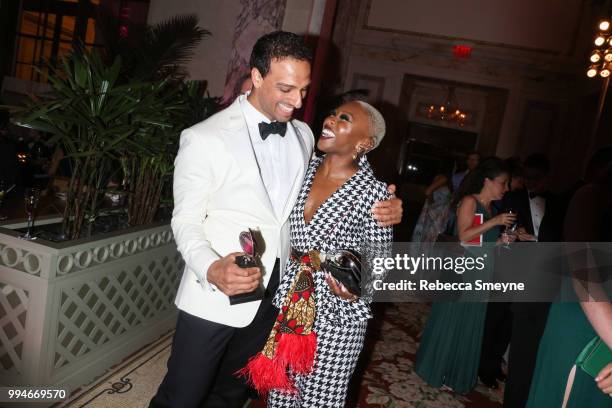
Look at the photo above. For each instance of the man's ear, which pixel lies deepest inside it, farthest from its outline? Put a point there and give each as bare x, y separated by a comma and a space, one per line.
256, 77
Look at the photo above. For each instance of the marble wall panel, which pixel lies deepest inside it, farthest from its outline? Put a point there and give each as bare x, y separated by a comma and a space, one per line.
256, 18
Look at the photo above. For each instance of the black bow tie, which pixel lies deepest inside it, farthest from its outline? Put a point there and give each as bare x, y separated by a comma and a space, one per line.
533, 194
267, 129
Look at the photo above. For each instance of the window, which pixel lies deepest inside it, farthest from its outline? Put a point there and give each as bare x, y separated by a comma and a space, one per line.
48, 29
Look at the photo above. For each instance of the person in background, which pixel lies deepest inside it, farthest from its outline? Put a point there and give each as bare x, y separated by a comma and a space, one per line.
571, 325
596, 163
449, 352
434, 214
540, 216
515, 167
471, 161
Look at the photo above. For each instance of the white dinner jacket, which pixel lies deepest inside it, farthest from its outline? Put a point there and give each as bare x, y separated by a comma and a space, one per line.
218, 193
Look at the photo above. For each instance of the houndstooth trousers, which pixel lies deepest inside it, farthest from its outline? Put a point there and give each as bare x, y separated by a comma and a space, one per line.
343, 221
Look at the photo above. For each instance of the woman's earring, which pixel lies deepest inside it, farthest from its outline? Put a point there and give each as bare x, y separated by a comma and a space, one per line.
358, 153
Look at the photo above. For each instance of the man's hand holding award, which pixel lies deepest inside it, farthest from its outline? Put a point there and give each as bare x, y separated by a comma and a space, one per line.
238, 275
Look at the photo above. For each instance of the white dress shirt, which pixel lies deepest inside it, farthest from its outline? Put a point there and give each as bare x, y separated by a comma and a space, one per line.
272, 157
537, 207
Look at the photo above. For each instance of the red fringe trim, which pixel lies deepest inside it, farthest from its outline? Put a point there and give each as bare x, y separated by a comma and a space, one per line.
293, 350
297, 351
265, 374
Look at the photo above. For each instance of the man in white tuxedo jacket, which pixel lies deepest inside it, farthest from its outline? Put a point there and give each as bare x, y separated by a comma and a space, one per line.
231, 174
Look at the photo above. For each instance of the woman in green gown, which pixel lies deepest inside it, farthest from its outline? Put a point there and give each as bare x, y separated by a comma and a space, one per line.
449, 353
572, 324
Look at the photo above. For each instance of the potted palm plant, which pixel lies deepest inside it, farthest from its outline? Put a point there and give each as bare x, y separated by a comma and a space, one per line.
71, 309
100, 122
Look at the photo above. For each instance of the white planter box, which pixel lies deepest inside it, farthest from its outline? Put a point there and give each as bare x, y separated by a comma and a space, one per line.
69, 311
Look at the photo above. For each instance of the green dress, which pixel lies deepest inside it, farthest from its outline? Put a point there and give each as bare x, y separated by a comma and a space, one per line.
567, 332
449, 353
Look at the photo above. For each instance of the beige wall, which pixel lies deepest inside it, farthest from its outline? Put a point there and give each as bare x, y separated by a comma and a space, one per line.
543, 24
218, 17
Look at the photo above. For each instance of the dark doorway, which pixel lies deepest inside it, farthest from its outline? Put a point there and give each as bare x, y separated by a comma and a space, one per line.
430, 150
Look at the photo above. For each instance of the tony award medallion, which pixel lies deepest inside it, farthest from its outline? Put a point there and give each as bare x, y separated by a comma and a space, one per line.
248, 260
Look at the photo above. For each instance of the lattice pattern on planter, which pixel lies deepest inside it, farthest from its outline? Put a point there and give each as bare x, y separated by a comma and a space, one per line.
100, 254
13, 312
20, 259
106, 307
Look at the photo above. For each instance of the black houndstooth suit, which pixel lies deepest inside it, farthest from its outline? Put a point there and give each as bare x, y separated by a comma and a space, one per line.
343, 221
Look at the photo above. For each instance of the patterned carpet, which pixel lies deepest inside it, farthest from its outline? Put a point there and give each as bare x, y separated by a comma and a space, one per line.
384, 377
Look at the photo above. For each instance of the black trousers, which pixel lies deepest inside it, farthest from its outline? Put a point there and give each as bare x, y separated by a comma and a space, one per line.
528, 324
205, 355
495, 338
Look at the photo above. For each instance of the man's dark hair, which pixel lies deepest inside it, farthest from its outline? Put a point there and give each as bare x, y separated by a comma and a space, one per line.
538, 162
515, 167
276, 45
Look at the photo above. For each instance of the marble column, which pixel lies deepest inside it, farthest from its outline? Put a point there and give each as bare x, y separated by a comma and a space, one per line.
257, 18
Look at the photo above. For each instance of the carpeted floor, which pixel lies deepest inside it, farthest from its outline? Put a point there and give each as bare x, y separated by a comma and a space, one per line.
384, 377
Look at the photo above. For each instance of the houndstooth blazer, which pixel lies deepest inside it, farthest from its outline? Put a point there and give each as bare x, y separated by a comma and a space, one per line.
343, 221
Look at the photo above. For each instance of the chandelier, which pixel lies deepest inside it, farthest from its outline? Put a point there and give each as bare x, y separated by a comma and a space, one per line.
601, 56
448, 111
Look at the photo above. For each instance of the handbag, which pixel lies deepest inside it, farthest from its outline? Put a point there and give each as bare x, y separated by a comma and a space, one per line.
594, 357
345, 266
